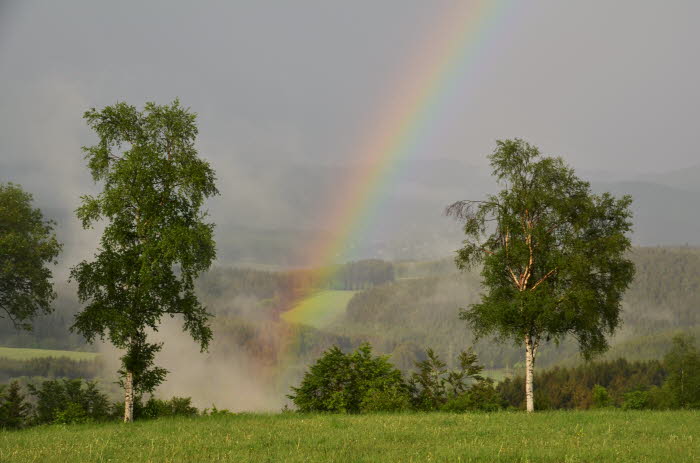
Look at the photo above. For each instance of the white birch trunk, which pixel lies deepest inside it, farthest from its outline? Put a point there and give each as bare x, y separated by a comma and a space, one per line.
529, 369
129, 397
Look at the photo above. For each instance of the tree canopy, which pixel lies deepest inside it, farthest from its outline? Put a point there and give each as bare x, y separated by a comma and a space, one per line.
28, 245
553, 253
156, 240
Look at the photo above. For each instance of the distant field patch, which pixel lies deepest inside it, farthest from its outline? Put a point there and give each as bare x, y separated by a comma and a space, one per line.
16, 353
319, 310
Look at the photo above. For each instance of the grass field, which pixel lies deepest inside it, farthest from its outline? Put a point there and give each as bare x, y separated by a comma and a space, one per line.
589, 436
319, 310
16, 353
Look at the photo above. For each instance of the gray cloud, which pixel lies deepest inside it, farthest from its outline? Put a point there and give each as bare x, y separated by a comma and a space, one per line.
286, 89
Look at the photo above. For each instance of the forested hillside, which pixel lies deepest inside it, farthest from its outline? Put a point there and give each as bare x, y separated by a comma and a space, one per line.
664, 298
402, 308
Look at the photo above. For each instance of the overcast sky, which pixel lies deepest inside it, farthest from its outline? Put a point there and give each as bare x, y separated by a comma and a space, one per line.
610, 85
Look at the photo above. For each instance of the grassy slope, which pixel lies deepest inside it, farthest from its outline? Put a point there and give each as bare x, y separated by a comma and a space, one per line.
27, 354
321, 309
593, 436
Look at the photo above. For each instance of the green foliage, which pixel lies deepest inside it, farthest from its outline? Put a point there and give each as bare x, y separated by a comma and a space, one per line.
553, 254
27, 246
156, 241
481, 396
683, 366
600, 397
72, 413
575, 387
76, 402
391, 399
358, 382
14, 410
661, 398
340, 382
69, 401
433, 385
429, 383
176, 406
635, 400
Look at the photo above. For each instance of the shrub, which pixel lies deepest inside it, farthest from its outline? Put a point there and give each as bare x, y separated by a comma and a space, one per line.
635, 400
340, 382
60, 400
433, 385
157, 408
72, 414
661, 398
601, 398
219, 412
481, 396
388, 400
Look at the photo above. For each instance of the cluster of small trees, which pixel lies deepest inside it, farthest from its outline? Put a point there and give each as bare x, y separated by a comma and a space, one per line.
359, 382
74, 401
668, 384
576, 387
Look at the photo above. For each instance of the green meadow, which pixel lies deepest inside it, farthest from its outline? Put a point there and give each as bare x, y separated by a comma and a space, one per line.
15, 353
320, 309
589, 436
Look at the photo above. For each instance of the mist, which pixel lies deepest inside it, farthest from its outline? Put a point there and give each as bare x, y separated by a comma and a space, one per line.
287, 93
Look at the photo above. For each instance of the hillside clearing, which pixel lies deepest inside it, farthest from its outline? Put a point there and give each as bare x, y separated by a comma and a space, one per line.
320, 309
16, 353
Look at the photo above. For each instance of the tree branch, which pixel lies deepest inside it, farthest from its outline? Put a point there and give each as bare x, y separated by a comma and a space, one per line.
543, 278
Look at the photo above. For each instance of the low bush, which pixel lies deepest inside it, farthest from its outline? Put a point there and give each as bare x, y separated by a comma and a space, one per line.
342, 383
433, 386
69, 401
359, 382
601, 398
392, 399
635, 400
176, 406
481, 396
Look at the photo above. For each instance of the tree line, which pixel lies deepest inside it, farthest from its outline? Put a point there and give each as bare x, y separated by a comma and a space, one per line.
360, 382
74, 401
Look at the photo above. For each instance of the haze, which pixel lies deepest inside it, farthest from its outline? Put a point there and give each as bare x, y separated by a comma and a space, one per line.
285, 92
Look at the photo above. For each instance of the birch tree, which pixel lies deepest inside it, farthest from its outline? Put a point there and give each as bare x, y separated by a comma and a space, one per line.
553, 255
156, 239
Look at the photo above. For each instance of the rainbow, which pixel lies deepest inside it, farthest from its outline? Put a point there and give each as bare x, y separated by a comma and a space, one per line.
428, 84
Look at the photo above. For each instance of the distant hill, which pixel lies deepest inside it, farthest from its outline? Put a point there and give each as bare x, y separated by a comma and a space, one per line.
685, 179
279, 207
